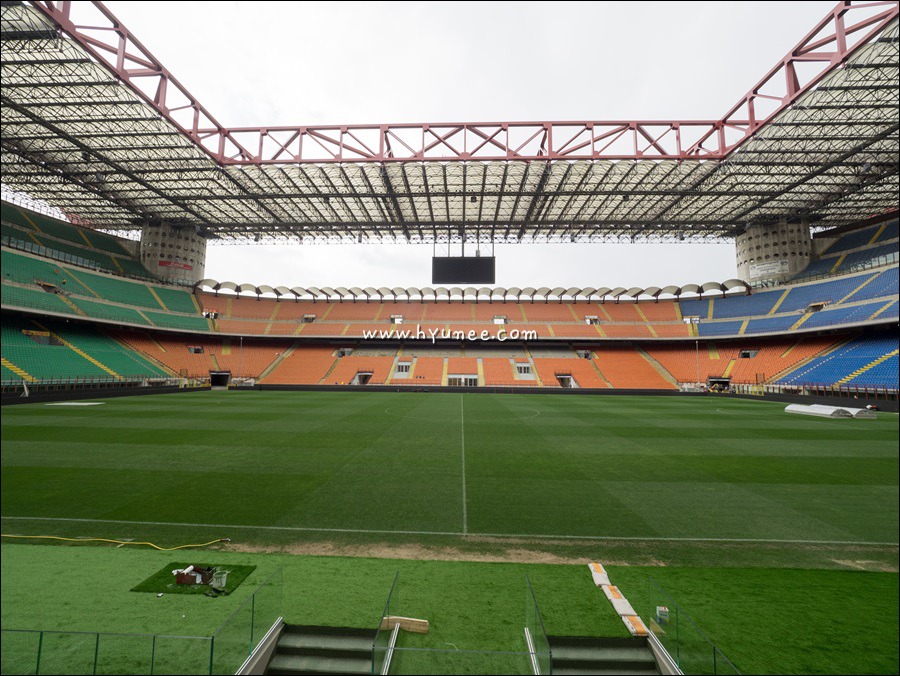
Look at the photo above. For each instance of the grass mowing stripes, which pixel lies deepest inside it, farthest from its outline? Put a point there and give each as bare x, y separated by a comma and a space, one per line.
535, 465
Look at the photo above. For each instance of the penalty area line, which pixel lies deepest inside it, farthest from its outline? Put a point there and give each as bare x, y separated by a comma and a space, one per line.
532, 536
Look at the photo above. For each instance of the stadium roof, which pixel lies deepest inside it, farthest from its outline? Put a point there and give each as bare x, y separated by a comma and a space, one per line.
93, 124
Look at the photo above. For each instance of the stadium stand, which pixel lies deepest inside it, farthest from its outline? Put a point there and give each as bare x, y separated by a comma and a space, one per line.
113, 289
175, 300
857, 249
303, 366
109, 311
679, 330
627, 368
777, 324
175, 354
51, 351
891, 232
884, 284
36, 298
195, 357
174, 321
660, 311
553, 373
754, 305
352, 370
576, 330
621, 312
306, 365
684, 363
548, 312
334, 329
760, 363
625, 330
874, 374
248, 308
49, 237
33, 283
499, 372
714, 328
28, 269
432, 312
841, 315
847, 362
354, 312
422, 371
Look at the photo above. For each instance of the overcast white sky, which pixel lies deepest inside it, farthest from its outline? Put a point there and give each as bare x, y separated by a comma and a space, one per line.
271, 63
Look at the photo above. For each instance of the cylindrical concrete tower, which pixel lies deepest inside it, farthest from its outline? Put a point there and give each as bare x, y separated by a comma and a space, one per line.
774, 252
176, 254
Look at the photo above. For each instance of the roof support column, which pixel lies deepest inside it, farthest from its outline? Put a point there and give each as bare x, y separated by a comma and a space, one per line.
177, 254
773, 252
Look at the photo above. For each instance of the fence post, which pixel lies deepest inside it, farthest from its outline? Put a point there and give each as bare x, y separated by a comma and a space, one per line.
252, 619
37, 667
677, 637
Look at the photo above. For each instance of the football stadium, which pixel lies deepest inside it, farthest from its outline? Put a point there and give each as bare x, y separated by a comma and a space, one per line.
208, 476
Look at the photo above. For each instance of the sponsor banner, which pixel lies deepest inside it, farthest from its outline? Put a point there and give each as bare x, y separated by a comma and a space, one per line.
769, 268
172, 264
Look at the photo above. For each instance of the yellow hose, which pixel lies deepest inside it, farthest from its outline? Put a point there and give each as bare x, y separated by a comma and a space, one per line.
115, 542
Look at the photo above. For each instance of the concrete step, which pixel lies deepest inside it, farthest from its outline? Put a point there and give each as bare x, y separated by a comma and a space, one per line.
317, 630
627, 658
598, 642
324, 644
590, 655
573, 671
316, 664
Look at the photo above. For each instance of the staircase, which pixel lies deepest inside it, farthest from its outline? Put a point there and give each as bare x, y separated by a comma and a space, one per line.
858, 372
322, 650
588, 655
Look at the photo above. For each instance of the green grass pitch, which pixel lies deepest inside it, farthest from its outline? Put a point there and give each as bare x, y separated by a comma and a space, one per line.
733, 503
276, 466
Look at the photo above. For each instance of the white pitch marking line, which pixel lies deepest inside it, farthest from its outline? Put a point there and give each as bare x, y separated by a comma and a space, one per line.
533, 536
462, 431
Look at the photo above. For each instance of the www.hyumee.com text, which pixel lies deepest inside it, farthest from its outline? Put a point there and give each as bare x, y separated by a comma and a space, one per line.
434, 334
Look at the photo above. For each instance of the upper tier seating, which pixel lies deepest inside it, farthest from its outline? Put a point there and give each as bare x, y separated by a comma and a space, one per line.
755, 305
65, 242
872, 245
830, 291
39, 223
882, 284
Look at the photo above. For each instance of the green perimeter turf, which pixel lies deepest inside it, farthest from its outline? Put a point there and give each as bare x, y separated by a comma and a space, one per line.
163, 581
764, 620
636, 478
776, 621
